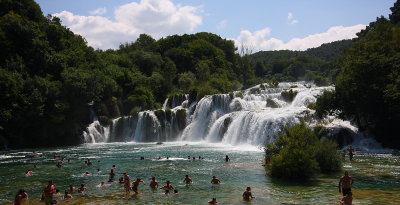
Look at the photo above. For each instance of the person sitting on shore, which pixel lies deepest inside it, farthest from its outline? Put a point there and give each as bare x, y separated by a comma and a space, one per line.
187, 179
67, 195
22, 194
213, 201
168, 186
247, 195
153, 183
135, 185
347, 200
215, 180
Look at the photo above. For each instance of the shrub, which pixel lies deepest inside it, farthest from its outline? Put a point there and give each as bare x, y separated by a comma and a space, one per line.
298, 153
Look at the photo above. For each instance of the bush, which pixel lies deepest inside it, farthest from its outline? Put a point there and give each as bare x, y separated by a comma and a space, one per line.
298, 153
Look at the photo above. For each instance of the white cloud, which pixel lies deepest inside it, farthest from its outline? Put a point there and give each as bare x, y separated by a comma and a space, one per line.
259, 40
291, 19
157, 18
290, 16
222, 25
99, 11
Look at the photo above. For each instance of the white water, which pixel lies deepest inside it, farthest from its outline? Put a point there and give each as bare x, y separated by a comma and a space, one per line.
224, 118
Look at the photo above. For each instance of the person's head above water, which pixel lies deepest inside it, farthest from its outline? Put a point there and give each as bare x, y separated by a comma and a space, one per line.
248, 189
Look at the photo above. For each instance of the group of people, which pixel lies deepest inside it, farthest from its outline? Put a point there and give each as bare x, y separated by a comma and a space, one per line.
50, 190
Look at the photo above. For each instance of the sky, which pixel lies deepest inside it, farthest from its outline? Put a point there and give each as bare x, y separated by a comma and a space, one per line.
259, 25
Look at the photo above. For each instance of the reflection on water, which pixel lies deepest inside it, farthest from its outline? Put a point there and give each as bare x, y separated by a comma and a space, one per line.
377, 179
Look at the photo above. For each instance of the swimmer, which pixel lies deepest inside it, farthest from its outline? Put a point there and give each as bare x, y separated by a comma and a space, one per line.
189, 158
213, 201
20, 196
98, 170
215, 180
347, 200
69, 161
199, 157
82, 189
28, 173
48, 192
187, 179
67, 195
351, 154
227, 158
153, 183
194, 158
112, 175
167, 157
71, 188
127, 183
345, 183
247, 195
87, 174
135, 185
168, 186
113, 167
102, 184
141, 158
57, 194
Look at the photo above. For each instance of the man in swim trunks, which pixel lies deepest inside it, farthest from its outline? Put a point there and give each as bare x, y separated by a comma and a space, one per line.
135, 185
345, 183
48, 192
168, 186
187, 179
247, 195
127, 183
153, 183
215, 180
351, 154
20, 196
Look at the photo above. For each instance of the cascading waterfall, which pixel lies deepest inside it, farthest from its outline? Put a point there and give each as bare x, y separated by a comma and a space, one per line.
253, 116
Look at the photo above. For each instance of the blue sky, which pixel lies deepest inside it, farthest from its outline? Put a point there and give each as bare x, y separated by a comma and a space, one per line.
259, 24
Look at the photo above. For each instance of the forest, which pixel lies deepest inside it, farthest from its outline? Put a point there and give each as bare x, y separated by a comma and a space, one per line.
52, 81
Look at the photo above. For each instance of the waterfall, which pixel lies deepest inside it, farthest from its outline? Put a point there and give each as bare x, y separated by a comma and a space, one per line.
252, 116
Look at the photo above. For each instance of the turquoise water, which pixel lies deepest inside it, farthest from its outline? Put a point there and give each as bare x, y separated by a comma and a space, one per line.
377, 177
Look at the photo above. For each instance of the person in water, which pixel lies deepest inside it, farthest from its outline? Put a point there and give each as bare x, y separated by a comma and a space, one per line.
347, 200
345, 183
127, 183
351, 152
67, 195
227, 158
176, 192
82, 189
153, 183
121, 180
22, 194
215, 180
112, 175
87, 174
168, 186
28, 173
71, 188
187, 179
48, 192
135, 185
213, 201
247, 195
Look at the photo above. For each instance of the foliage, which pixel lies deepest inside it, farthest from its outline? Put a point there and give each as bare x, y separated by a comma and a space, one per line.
368, 86
298, 153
